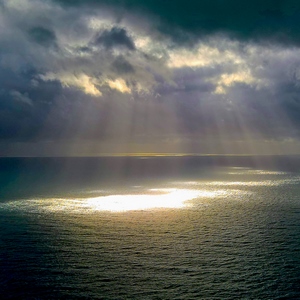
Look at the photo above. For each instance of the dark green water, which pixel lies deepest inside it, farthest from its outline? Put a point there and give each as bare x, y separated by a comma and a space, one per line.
85, 229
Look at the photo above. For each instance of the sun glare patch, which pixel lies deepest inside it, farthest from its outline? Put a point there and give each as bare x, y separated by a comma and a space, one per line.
159, 199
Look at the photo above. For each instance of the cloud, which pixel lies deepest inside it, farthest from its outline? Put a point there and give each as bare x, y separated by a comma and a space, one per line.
205, 55
42, 36
255, 20
121, 65
115, 37
119, 84
97, 70
21, 97
81, 81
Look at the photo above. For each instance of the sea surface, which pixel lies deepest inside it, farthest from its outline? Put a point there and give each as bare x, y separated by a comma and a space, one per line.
206, 227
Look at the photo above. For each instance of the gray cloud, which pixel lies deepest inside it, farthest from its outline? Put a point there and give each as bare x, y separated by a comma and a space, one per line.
115, 37
43, 36
121, 65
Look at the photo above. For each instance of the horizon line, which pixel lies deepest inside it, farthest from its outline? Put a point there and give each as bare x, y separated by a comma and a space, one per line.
146, 154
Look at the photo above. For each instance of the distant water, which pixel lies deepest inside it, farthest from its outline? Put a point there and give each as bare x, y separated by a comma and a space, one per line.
150, 228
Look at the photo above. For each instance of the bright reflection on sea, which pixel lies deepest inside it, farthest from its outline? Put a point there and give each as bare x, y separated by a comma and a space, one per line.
227, 184
164, 198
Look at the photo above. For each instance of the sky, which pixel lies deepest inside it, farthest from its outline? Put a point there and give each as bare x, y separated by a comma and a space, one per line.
92, 77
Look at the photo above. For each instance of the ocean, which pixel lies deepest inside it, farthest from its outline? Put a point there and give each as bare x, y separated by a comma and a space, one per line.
190, 227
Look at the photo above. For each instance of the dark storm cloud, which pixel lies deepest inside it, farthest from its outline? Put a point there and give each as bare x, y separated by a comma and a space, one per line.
115, 37
25, 102
272, 19
42, 36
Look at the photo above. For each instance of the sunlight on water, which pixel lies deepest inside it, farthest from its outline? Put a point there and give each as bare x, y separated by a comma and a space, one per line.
266, 183
254, 183
167, 198
170, 195
242, 171
163, 199
201, 235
